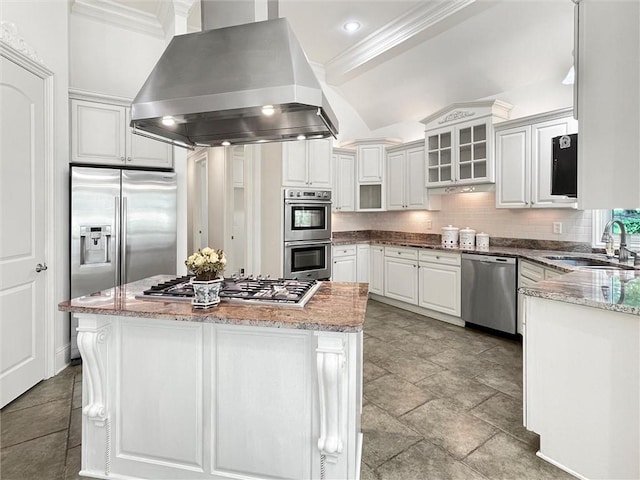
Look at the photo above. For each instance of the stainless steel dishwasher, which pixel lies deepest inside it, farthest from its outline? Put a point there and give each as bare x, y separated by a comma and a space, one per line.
489, 291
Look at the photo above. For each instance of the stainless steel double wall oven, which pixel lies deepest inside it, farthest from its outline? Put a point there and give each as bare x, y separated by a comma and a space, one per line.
307, 234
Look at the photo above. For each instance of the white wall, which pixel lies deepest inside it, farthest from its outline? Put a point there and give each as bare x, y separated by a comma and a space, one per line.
476, 210
108, 59
43, 25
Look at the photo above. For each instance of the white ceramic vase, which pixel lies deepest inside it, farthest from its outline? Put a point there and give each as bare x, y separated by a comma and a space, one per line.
206, 292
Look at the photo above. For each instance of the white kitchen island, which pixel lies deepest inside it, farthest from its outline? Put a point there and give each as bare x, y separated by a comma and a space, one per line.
242, 392
582, 372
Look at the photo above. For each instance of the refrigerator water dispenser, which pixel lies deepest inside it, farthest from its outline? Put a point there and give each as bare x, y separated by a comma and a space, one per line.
95, 244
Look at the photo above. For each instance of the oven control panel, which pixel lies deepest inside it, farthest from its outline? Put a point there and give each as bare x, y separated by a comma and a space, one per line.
324, 195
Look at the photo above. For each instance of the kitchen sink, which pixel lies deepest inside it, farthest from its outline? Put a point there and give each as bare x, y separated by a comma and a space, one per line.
589, 263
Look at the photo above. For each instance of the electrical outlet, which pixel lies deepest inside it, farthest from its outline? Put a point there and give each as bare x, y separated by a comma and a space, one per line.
429, 224
557, 227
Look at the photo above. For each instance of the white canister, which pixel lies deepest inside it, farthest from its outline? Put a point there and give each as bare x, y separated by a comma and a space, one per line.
467, 238
450, 236
482, 241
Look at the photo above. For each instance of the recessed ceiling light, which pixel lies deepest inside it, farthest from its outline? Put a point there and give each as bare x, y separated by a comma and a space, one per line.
268, 110
226, 143
352, 26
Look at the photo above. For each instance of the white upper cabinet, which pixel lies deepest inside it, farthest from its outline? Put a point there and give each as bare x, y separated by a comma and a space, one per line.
405, 177
459, 143
607, 79
344, 183
100, 134
370, 163
524, 159
307, 163
370, 172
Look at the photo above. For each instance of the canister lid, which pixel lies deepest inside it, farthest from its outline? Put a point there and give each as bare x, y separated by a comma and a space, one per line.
450, 228
482, 234
468, 230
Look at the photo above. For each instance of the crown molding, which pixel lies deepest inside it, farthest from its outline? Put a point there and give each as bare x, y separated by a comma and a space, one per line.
398, 31
119, 15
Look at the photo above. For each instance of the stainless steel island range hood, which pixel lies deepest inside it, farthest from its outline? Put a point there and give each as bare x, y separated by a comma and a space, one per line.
242, 84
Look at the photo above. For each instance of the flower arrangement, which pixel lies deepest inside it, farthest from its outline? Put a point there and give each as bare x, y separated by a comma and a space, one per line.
206, 264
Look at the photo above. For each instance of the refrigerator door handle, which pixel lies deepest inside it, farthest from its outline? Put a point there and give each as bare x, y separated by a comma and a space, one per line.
116, 222
123, 241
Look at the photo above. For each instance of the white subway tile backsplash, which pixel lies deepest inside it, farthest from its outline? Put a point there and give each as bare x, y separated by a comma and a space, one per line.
477, 211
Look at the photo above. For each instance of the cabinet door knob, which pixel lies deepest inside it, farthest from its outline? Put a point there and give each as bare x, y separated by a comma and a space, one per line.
122, 159
128, 159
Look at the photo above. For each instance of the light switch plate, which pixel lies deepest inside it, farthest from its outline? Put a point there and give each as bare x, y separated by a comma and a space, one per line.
557, 227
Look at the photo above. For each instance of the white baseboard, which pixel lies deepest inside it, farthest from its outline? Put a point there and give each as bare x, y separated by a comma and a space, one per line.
560, 466
63, 355
443, 317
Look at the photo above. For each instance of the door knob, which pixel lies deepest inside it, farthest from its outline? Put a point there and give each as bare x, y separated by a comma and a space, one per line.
40, 267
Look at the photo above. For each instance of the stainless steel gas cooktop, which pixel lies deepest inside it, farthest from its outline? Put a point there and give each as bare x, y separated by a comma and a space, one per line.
261, 291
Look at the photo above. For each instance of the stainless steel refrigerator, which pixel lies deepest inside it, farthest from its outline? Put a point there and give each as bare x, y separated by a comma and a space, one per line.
123, 229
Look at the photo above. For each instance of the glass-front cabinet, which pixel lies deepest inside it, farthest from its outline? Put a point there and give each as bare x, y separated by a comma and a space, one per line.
458, 143
439, 153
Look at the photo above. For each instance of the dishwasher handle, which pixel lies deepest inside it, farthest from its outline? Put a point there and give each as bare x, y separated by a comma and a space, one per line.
489, 258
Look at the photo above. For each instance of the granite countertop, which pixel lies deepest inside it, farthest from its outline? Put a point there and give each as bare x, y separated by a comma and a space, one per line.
616, 290
336, 306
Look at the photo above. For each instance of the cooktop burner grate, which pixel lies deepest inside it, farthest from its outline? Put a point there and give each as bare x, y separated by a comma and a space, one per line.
242, 290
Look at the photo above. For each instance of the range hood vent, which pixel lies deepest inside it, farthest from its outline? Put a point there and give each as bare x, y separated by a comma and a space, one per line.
211, 87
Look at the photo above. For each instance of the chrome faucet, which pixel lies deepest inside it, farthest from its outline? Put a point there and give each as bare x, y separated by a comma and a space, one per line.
623, 254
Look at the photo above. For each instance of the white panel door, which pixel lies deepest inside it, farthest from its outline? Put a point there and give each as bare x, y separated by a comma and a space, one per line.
146, 152
396, 172
415, 187
440, 288
294, 164
542, 159
401, 279
513, 157
376, 272
319, 163
370, 163
344, 269
262, 405
22, 231
150, 353
345, 184
98, 133
363, 263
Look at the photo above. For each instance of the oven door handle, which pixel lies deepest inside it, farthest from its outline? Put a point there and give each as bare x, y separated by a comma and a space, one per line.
305, 243
308, 202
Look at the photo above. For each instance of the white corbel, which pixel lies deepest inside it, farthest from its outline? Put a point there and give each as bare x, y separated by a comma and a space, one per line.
330, 358
93, 370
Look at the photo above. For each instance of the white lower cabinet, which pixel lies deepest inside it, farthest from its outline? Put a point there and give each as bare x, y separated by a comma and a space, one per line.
344, 267
439, 281
376, 270
235, 402
363, 264
351, 263
401, 274
528, 274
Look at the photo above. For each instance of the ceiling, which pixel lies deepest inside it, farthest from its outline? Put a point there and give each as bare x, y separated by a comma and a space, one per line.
413, 57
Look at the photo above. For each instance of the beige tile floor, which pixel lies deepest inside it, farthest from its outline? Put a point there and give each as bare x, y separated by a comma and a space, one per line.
440, 402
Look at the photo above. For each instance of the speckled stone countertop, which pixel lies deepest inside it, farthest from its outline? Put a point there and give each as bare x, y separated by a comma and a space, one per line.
610, 289
616, 290
336, 306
